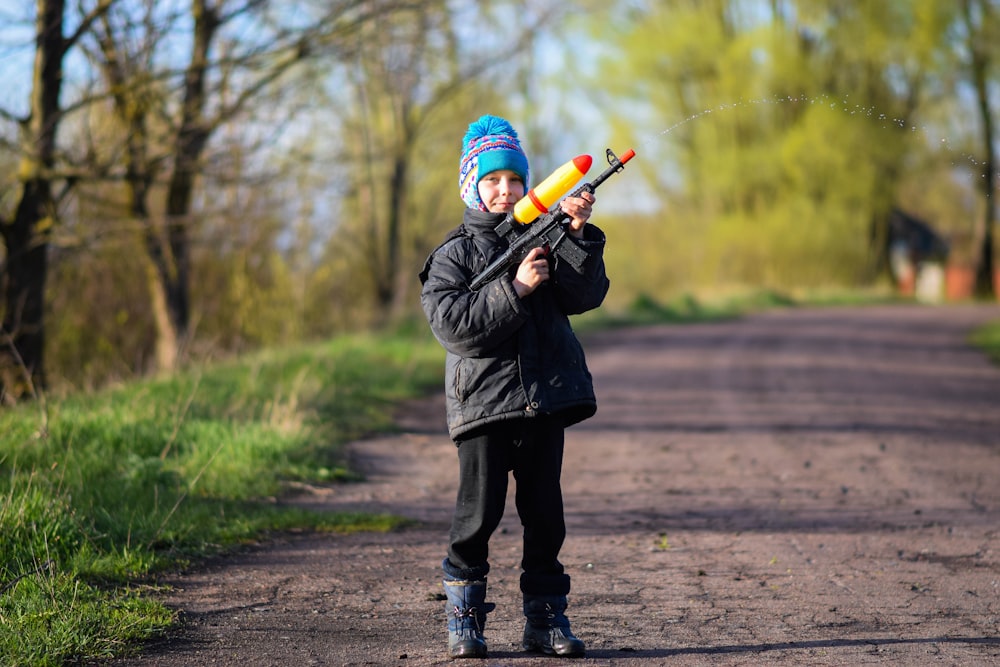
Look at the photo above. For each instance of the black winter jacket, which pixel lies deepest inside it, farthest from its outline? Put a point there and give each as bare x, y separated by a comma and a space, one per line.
510, 358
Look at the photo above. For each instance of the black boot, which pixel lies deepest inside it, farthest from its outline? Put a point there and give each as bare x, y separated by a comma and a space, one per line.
466, 609
547, 628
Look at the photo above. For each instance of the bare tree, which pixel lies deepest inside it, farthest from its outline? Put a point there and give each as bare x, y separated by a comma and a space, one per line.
980, 22
410, 69
26, 236
223, 77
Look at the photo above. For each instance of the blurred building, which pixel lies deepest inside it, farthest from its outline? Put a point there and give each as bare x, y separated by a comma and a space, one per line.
918, 257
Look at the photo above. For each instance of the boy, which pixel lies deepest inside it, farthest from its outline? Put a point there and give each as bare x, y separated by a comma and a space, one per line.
516, 377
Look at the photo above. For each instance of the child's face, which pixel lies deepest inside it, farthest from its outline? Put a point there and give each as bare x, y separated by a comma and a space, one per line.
500, 190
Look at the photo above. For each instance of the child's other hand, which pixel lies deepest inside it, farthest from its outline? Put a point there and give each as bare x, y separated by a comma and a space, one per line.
579, 210
532, 272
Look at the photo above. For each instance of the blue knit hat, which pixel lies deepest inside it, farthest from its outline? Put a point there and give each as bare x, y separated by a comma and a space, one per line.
489, 144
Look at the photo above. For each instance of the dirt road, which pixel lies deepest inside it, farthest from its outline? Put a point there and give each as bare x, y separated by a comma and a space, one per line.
806, 486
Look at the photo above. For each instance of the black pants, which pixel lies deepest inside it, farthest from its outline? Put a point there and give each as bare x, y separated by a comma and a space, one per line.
533, 450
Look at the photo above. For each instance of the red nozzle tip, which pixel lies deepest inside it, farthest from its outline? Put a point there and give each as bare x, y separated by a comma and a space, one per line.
582, 163
629, 154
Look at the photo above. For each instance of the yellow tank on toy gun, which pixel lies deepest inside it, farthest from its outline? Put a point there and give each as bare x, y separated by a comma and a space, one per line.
541, 197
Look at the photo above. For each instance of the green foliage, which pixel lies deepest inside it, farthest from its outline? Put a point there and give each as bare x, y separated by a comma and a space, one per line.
100, 321
775, 137
685, 309
126, 482
987, 338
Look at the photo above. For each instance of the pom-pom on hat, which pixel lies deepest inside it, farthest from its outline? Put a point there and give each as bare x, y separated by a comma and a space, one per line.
489, 144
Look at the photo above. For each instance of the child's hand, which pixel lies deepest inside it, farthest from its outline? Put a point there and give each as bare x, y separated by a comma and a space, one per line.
532, 272
579, 209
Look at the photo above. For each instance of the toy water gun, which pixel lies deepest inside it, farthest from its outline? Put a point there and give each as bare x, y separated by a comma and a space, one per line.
546, 228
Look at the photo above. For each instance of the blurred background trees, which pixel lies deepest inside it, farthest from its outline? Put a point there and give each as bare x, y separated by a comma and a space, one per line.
188, 179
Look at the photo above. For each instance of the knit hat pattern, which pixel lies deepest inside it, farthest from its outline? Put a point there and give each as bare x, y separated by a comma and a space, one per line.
490, 144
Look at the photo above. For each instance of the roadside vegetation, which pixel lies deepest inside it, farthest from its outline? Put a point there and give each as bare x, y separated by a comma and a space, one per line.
98, 492
987, 338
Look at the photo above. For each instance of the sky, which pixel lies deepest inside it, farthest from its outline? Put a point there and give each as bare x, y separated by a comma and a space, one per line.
16, 36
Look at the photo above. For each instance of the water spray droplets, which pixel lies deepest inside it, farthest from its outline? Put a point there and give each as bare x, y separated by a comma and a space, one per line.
852, 109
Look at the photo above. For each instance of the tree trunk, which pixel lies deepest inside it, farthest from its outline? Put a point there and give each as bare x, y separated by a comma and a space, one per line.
22, 355
171, 256
388, 292
22, 338
979, 64
984, 287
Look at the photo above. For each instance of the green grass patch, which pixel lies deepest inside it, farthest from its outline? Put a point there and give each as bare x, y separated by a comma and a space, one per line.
683, 309
103, 490
987, 338
688, 308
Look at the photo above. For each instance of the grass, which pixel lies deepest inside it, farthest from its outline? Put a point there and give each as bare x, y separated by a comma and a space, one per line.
687, 308
99, 492
108, 489
987, 338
